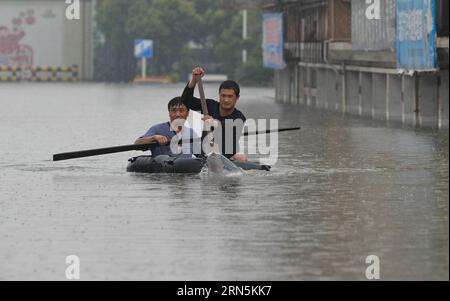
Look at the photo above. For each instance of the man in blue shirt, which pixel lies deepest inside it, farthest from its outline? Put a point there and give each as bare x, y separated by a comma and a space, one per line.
164, 132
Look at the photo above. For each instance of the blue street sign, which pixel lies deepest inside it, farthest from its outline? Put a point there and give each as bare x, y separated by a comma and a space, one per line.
143, 48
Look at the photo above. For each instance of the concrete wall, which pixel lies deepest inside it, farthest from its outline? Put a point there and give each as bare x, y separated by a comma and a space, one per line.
333, 87
366, 94
416, 101
379, 96
394, 99
352, 91
37, 32
428, 102
443, 100
410, 100
322, 94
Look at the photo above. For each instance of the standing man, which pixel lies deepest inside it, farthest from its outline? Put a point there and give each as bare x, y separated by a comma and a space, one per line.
164, 132
222, 113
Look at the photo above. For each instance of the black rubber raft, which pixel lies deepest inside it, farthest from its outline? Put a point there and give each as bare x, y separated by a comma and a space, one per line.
167, 164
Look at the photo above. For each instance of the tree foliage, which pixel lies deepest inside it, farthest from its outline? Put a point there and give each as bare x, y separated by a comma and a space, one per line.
185, 33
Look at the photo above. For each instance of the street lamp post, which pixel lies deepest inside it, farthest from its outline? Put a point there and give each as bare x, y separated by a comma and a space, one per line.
244, 34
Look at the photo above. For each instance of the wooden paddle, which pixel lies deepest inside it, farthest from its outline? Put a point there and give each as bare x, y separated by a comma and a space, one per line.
141, 147
209, 132
201, 91
102, 151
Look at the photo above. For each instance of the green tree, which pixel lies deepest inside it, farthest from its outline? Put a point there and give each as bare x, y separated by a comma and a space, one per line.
173, 25
112, 59
168, 24
228, 48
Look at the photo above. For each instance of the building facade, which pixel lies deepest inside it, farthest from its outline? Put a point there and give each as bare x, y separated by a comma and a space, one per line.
344, 55
39, 42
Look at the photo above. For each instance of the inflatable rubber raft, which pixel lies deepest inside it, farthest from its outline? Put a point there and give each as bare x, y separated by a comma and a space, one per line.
167, 164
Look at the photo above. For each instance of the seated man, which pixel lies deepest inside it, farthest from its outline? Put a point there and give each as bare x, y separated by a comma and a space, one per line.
164, 132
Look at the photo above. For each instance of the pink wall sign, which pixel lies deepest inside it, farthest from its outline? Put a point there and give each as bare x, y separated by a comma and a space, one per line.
12, 51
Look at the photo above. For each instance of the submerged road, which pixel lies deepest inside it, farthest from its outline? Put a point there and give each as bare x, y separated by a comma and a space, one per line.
342, 189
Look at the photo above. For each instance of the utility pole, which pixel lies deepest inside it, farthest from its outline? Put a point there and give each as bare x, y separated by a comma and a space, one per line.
144, 67
244, 34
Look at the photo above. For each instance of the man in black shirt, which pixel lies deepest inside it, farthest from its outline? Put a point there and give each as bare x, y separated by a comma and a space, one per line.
224, 112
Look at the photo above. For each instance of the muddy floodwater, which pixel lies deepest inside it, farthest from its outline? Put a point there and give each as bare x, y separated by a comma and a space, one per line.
341, 190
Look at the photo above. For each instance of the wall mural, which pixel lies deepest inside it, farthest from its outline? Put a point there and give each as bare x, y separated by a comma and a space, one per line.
12, 52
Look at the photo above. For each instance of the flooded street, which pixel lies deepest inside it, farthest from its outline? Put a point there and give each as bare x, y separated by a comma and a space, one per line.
341, 190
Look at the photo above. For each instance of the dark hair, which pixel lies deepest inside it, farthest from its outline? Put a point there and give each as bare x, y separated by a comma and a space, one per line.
176, 102
230, 84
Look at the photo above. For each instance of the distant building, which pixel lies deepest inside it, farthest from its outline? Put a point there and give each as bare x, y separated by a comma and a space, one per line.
37, 35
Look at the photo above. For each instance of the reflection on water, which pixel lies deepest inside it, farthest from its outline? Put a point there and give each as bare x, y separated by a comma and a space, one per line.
341, 190
228, 187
